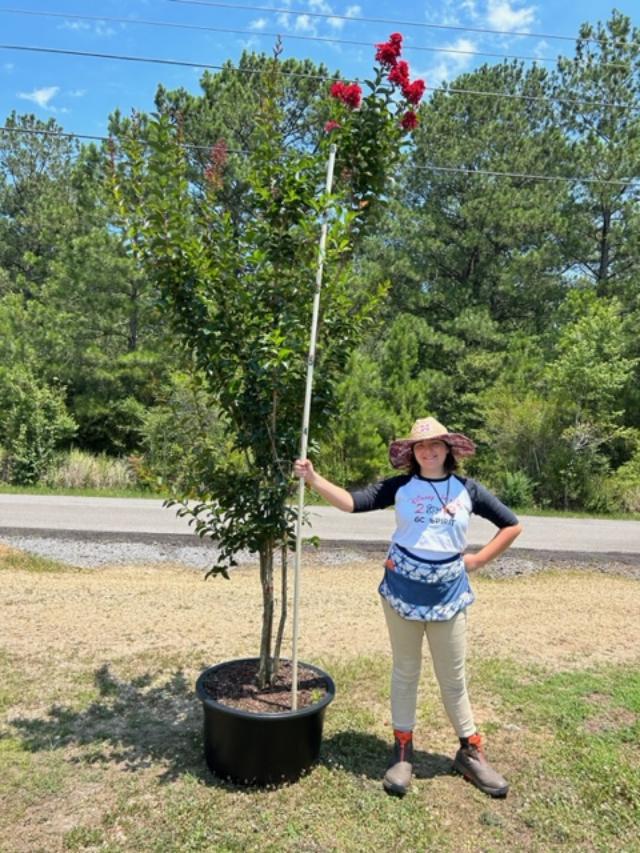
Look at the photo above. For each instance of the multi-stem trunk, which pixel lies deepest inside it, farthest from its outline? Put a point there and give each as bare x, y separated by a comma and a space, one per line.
265, 670
283, 607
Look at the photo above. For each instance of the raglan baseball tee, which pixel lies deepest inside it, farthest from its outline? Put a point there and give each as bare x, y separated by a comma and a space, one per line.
425, 578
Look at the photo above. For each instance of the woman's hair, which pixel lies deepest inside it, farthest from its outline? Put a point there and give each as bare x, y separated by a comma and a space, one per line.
450, 464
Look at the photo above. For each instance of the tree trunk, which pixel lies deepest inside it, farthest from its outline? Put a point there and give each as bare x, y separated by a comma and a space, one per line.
283, 608
265, 672
604, 251
132, 342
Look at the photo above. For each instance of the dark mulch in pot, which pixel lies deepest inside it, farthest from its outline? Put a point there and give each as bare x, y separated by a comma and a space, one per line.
236, 685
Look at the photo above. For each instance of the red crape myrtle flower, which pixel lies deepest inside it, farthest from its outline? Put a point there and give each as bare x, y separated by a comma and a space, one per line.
331, 125
387, 52
413, 92
409, 120
399, 74
349, 93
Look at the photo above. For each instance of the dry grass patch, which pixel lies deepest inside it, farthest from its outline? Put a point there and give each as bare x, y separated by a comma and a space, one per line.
558, 619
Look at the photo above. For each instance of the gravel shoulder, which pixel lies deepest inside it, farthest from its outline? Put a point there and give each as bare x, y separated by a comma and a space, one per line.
85, 552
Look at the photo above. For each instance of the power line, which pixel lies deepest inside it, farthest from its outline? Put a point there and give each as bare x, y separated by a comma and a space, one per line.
125, 58
420, 24
425, 168
94, 138
183, 63
284, 35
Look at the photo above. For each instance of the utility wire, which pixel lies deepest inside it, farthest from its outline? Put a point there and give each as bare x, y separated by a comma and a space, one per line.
425, 168
420, 24
150, 59
183, 63
284, 35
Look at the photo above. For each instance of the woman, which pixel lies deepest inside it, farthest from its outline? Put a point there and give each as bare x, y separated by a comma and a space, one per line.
425, 589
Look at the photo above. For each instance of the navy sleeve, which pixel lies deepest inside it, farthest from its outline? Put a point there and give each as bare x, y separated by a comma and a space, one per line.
487, 505
378, 495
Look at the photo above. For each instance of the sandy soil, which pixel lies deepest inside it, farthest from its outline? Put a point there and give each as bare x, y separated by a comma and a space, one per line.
557, 619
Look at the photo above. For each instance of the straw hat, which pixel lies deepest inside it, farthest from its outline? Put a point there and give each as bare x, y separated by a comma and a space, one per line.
401, 450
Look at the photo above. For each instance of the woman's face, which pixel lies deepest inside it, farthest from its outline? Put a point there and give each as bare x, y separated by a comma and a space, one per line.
430, 456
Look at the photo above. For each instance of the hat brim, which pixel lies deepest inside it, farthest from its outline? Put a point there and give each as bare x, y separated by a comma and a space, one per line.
401, 451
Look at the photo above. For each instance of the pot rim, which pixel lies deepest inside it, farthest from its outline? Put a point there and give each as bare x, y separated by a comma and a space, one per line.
263, 715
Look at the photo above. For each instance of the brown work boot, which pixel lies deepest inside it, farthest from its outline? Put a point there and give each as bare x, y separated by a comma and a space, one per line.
398, 776
470, 761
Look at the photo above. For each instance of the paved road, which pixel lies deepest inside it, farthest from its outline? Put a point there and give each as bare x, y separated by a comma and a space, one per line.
146, 519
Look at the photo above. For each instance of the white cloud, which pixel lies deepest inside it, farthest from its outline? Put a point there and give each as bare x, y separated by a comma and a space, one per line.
77, 93
541, 49
349, 12
258, 24
75, 25
41, 97
450, 64
284, 20
470, 7
503, 15
304, 24
8, 67
103, 30
100, 28
446, 14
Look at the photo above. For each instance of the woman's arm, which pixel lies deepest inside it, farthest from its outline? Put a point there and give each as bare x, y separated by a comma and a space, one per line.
336, 495
500, 542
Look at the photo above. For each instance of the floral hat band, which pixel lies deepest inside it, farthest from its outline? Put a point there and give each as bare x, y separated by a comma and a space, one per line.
424, 429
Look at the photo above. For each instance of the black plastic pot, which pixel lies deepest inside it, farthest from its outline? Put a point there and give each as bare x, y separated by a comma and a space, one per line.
257, 748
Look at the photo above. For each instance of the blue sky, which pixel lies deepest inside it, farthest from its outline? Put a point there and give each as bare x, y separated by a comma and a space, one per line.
80, 92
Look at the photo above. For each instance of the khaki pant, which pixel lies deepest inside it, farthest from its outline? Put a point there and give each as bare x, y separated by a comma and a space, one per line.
447, 644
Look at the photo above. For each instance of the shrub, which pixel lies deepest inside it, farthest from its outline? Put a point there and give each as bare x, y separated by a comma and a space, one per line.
77, 469
626, 484
515, 489
34, 421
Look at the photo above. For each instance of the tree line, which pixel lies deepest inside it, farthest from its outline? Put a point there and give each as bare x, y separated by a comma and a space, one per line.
507, 306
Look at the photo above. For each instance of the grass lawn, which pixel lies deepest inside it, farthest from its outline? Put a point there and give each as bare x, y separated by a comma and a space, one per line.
6, 489
101, 744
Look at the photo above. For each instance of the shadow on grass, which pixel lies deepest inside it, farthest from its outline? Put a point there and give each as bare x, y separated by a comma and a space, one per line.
140, 724
367, 755
132, 724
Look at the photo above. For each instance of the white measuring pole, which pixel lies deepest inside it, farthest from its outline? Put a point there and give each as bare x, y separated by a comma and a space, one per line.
304, 440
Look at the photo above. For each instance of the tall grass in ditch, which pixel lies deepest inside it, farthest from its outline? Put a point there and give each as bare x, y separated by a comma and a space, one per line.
77, 469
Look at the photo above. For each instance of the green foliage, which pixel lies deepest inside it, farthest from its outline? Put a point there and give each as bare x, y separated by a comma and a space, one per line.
71, 303
236, 285
513, 303
624, 485
34, 421
111, 397
37, 201
515, 489
464, 240
185, 409
354, 450
591, 367
603, 143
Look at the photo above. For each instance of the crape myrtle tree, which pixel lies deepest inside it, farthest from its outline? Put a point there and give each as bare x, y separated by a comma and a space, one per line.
237, 287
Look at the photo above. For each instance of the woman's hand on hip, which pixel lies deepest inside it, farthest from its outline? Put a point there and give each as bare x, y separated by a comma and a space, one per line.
472, 562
